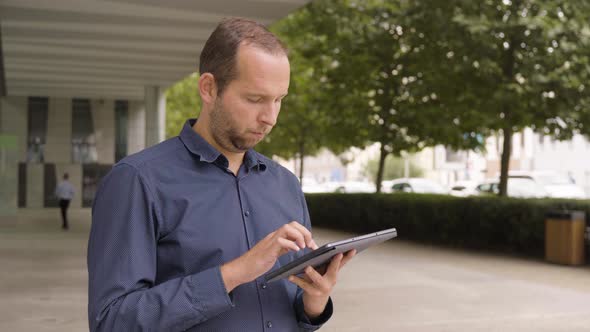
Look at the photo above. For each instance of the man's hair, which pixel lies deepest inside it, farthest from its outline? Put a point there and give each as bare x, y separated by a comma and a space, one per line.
66, 176
218, 56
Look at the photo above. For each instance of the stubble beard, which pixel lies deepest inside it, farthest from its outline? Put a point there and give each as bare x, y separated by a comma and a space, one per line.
225, 133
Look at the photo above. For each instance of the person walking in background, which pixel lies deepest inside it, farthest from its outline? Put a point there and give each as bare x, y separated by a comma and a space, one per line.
65, 193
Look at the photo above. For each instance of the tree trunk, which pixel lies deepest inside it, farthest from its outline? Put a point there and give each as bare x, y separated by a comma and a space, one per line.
382, 155
406, 166
505, 162
508, 70
301, 157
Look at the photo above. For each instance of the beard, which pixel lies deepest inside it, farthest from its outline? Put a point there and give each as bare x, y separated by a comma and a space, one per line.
225, 131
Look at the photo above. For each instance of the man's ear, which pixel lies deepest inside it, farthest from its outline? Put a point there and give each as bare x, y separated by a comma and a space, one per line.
207, 88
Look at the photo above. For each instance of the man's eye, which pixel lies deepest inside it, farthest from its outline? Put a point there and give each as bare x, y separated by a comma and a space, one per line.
254, 100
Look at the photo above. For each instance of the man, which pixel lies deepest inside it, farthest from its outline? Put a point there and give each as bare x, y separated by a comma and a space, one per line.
183, 232
65, 193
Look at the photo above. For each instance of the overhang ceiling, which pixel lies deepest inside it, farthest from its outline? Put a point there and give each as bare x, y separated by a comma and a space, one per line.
112, 49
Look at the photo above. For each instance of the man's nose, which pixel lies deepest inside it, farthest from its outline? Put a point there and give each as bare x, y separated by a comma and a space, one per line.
269, 114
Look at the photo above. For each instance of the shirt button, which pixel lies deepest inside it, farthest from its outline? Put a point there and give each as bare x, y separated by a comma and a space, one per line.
268, 324
263, 286
247, 213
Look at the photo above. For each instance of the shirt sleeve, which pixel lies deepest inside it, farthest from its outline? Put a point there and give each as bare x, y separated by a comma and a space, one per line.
304, 322
122, 260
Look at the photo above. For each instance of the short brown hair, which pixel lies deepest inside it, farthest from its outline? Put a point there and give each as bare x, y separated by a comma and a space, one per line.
218, 56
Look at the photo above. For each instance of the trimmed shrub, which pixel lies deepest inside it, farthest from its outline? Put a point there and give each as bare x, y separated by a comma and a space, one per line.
487, 223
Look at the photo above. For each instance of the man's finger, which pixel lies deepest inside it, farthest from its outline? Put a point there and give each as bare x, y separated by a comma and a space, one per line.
305, 232
292, 233
313, 245
333, 268
304, 284
287, 244
349, 255
314, 276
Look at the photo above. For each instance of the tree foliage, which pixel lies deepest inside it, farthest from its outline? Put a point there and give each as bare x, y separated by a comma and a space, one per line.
182, 102
394, 168
413, 74
526, 63
376, 65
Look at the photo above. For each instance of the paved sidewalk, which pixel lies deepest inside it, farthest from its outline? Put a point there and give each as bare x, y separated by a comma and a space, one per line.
397, 286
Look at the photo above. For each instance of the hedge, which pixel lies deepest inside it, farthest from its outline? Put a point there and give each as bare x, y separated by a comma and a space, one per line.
488, 223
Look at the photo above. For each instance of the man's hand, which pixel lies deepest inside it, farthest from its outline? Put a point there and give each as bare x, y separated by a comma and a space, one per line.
262, 257
317, 288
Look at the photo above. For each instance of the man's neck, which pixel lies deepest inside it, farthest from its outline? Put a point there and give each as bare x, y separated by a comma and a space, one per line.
234, 159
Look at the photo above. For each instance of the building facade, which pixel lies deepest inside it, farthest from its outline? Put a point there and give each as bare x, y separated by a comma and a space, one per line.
82, 82
83, 137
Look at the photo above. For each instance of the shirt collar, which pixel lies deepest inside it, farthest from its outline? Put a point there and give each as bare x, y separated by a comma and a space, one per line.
197, 145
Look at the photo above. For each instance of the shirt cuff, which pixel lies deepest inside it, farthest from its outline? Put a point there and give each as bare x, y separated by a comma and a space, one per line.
209, 294
309, 324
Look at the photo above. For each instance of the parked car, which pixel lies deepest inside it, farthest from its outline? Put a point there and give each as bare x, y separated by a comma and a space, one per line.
464, 188
354, 187
517, 187
556, 185
413, 185
311, 186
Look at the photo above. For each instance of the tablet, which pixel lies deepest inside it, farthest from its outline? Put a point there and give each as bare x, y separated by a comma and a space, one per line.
320, 257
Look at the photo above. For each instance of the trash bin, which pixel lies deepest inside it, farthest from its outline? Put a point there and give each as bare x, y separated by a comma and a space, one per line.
565, 237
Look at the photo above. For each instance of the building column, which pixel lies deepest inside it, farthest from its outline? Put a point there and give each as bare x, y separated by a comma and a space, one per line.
155, 115
58, 147
13, 132
103, 117
136, 127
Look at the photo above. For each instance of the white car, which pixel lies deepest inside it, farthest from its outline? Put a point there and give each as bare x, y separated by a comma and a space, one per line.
413, 185
556, 185
354, 187
517, 187
311, 186
464, 188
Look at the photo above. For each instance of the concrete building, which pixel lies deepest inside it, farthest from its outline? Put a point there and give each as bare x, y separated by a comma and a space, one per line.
82, 84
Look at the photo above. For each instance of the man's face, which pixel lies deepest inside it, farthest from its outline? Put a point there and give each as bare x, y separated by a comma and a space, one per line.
248, 107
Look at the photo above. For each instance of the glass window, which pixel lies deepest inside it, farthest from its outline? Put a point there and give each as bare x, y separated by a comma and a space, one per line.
38, 108
50, 183
83, 139
453, 156
121, 119
91, 175
22, 185
401, 187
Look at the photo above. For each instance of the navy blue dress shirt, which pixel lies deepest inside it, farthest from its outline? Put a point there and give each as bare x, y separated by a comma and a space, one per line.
163, 222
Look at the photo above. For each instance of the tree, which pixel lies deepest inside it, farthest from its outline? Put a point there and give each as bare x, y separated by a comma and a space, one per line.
382, 75
305, 123
301, 123
182, 102
526, 62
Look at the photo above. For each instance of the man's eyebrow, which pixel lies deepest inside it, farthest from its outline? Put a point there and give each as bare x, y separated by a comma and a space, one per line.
261, 95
